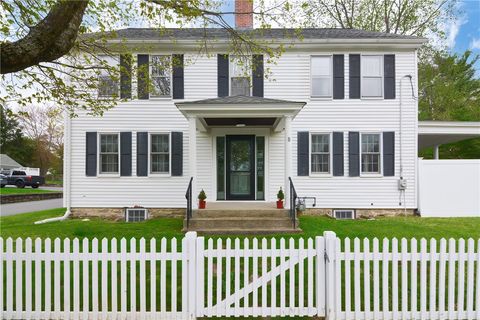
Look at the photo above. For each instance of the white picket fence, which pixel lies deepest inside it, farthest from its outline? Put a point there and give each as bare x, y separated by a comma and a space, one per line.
323, 277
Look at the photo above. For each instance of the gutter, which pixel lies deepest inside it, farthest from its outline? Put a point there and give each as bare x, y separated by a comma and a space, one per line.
66, 172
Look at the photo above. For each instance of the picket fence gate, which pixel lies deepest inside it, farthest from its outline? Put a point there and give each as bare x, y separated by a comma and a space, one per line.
322, 277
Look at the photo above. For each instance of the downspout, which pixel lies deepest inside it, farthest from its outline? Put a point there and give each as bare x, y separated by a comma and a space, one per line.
66, 171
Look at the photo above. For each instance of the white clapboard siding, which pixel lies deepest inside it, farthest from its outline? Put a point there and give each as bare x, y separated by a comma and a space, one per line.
323, 276
288, 79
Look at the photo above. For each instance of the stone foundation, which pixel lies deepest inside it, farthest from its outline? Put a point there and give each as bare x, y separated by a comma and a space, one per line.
118, 214
362, 213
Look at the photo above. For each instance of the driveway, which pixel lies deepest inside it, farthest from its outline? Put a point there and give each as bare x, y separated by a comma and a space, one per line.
22, 207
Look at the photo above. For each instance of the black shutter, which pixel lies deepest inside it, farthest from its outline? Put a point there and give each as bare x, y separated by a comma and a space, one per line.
353, 154
143, 76
354, 74
178, 83
177, 153
303, 162
222, 75
389, 154
142, 154
125, 153
257, 75
126, 76
389, 76
91, 154
337, 154
338, 76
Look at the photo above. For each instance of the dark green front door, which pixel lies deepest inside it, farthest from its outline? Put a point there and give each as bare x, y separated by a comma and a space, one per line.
240, 167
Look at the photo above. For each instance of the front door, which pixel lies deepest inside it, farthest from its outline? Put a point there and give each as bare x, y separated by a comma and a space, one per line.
240, 167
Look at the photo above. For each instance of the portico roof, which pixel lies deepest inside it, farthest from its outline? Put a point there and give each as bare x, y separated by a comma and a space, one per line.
434, 133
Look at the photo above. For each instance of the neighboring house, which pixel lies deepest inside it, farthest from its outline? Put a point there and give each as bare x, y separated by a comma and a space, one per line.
336, 114
7, 163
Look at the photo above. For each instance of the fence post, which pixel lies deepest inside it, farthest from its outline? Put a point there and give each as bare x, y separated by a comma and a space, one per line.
330, 276
190, 240
199, 278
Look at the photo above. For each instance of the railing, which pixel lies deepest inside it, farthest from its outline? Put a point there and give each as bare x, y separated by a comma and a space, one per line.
293, 202
188, 196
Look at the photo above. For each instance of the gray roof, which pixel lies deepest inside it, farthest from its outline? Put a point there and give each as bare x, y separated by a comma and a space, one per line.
239, 100
221, 33
8, 163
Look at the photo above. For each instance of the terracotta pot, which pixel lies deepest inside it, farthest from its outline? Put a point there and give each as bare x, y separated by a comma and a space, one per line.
279, 204
202, 204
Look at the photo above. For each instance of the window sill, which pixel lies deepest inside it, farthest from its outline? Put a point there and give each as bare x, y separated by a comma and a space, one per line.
372, 98
371, 175
159, 175
320, 175
160, 98
108, 175
313, 98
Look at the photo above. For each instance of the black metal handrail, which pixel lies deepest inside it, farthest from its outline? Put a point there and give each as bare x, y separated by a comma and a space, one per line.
293, 203
188, 196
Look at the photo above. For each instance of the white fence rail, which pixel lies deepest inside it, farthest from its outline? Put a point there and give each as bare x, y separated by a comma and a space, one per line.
198, 277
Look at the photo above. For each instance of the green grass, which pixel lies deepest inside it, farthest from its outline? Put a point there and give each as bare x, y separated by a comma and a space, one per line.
22, 225
26, 190
54, 182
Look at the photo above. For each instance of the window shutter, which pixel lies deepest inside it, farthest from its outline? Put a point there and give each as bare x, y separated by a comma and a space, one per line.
389, 154
125, 76
91, 154
257, 75
177, 153
125, 153
143, 76
142, 154
303, 153
389, 76
222, 75
338, 76
178, 83
338, 154
354, 73
353, 154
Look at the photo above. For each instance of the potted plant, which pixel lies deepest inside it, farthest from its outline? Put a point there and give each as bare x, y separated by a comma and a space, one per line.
280, 197
201, 200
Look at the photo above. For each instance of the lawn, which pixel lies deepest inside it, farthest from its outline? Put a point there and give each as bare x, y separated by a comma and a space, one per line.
26, 190
23, 226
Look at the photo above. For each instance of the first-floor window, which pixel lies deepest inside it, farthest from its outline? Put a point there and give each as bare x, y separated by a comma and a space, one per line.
320, 154
109, 155
370, 152
160, 153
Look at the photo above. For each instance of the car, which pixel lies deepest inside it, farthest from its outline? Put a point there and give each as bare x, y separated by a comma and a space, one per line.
4, 180
20, 179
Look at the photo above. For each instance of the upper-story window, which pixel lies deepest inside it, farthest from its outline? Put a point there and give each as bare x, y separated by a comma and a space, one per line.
371, 154
321, 73
109, 155
320, 153
240, 75
160, 76
372, 76
107, 80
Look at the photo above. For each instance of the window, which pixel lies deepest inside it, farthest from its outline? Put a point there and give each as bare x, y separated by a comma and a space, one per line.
344, 214
370, 153
320, 154
240, 73
160, 76
321, 73
372, 76
109, 156
136, 214
107, 79
159, 153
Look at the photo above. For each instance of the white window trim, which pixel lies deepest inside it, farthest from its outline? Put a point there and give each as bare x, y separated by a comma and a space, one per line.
150, 64
330, 171
313, 97
99, 163
382, 90
230, 73
117, 58
160, 174
380, 150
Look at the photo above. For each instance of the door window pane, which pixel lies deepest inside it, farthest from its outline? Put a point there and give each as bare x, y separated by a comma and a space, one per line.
240, 165
160, 153
260, 168
109, 157
220, 168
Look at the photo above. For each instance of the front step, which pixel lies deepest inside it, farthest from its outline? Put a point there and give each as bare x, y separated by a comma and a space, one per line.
221, 213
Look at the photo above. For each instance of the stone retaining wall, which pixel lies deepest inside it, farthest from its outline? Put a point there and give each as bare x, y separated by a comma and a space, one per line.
14, 198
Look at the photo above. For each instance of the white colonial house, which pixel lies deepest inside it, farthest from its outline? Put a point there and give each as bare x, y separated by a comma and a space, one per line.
336, 118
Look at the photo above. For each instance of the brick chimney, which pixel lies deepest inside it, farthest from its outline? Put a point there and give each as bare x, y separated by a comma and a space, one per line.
243, 14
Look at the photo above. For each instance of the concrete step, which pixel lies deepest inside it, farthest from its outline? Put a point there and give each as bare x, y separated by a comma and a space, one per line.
242, 232
244, 223
247, 213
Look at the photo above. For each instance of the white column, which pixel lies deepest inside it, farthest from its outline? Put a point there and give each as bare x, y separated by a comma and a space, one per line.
436, 152
288, 157
192, 156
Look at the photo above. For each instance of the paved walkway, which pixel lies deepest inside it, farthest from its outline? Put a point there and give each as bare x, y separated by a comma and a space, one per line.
22, 207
